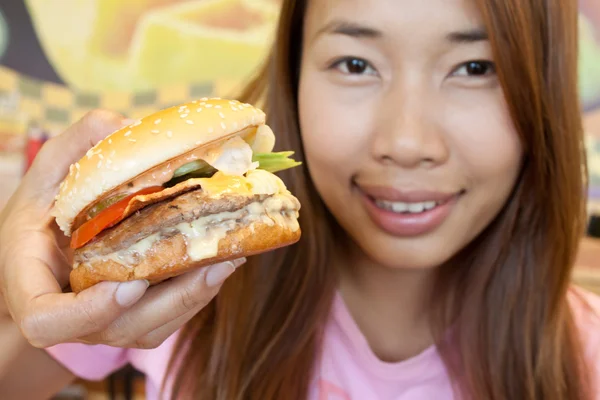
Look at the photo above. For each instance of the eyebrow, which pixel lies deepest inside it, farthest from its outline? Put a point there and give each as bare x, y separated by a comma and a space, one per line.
469, 36
352, 29
356, 30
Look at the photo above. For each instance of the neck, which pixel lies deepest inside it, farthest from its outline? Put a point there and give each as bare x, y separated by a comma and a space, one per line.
389, 305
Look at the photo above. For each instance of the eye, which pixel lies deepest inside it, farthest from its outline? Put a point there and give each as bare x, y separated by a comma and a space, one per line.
354, 66
475, 69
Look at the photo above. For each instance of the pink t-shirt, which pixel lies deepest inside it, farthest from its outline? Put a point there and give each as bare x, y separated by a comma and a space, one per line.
348, 368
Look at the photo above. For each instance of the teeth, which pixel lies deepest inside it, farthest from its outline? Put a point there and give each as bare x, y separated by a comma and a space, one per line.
416, 207
400, 207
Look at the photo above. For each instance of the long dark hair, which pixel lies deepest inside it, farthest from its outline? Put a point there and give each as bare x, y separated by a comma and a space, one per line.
513, 335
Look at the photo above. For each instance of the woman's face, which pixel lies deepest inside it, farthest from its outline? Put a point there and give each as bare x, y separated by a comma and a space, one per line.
407, 134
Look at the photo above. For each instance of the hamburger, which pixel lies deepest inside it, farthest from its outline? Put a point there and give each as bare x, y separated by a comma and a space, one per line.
186, 187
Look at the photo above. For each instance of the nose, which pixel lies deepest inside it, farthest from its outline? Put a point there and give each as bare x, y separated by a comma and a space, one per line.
408, 133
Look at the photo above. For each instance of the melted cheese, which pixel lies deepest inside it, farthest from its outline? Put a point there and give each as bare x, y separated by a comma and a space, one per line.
220, 184
204, 234
255, 182
264, 182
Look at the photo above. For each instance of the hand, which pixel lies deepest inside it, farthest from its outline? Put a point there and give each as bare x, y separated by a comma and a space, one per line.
35, 264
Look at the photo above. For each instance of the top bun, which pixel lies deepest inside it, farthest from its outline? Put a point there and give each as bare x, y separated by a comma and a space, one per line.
149, 142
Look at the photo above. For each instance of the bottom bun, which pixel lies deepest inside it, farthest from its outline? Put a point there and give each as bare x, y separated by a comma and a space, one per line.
168, 257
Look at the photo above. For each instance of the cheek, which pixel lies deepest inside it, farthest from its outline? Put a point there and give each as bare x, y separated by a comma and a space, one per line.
486, 144
334, 131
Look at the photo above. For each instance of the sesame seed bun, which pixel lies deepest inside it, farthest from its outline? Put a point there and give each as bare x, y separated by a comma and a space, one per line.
159, 137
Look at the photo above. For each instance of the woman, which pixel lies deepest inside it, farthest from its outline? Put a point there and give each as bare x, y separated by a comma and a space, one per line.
469, 107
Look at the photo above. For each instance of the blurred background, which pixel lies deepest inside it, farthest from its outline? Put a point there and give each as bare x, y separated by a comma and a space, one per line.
59, 59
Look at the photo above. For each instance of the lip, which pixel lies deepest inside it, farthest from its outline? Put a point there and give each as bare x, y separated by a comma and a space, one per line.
406, 196
407, 224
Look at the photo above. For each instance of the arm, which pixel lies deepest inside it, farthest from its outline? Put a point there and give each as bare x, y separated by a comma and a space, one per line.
21, 364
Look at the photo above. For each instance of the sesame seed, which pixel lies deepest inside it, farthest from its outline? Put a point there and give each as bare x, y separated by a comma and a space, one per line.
223, 125
233, 108
109, 141
202, 103
132, 140
184, 115
209, 105
101, 156
77, 175
199, 142
221, 115
157, 121
155, 131
194, 101
169, 134
99, 164
204, 98
199, 109
217, 106
189, 121
138, 122
232, 102
127, 133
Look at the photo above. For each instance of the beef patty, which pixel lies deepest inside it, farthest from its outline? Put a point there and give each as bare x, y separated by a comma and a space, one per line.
160, 216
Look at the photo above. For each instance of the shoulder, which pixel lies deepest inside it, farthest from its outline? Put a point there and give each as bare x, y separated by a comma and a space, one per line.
585, 308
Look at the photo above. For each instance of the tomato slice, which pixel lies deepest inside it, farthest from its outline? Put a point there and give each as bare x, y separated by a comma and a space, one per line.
107, 218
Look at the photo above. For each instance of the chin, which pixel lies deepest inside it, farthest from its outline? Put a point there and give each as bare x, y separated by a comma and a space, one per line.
414, 254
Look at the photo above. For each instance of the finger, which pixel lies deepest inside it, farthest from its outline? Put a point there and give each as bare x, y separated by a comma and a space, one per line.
165, 303
56, 156
156, 337
46, 316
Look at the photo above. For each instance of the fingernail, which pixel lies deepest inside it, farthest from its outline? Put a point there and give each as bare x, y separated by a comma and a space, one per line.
238, 262
129, 292
218, 273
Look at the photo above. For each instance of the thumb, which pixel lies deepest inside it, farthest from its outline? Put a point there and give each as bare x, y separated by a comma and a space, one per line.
56, 156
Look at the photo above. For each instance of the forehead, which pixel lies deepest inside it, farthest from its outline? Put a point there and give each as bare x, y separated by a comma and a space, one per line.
395, 17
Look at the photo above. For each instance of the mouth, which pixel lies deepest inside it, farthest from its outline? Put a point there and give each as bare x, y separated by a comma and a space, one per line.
407, 214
